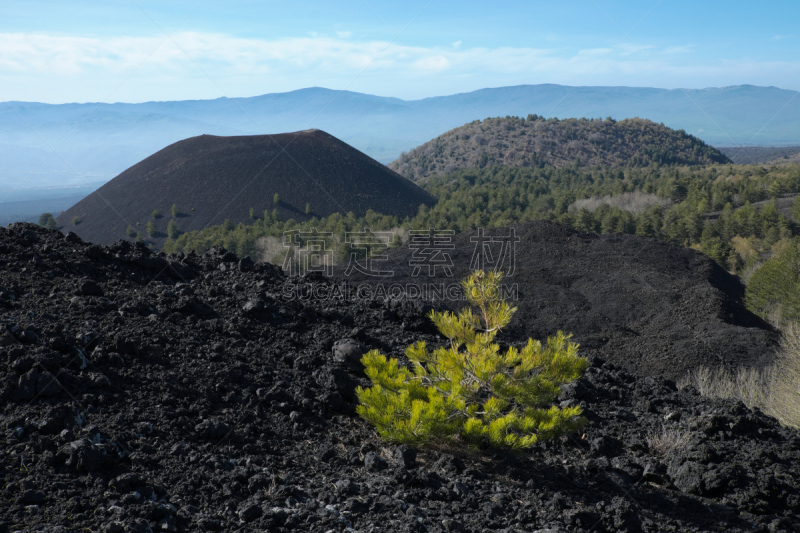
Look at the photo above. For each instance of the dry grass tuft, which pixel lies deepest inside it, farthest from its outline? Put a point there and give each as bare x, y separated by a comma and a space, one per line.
785, 404
749, 385
668, 440
268, 250
774, 389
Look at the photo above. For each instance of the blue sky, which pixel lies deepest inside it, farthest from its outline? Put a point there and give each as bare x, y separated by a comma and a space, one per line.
134, 51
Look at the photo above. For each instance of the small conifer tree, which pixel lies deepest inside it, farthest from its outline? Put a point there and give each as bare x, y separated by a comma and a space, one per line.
172, 229
155, 214
130, 232
175, 210
774, 289
44, 218
48, 221
276, 199
151, 228
471, 388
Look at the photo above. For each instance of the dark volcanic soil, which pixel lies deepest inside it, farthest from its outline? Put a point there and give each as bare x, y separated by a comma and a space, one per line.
213, 178
150, 393
651, 307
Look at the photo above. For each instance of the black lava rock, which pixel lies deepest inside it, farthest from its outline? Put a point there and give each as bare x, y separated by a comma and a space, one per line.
162, 402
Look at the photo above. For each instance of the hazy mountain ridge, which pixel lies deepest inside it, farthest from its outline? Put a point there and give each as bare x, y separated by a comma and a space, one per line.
99, 141
517, 142
754, 155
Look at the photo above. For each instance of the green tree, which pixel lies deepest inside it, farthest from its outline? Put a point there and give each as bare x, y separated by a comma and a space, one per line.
130, 232
172, 229
76, 220
308, 209
175, 211
584, 221
276, 199
471, 388
47, 220
253, 213
150, 228
796, 209
714, 247
44, 217
343, 252
774, 289
155, 214
678, 193
734, 261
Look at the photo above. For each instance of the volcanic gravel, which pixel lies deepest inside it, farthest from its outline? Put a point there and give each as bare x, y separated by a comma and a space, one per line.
143, 392
649, 306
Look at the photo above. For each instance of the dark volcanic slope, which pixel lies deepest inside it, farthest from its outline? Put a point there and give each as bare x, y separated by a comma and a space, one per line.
214, 178
646, 305
147, 393
516, 142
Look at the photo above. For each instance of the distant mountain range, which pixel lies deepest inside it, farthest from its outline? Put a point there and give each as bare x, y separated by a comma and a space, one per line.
755, 155
99, 141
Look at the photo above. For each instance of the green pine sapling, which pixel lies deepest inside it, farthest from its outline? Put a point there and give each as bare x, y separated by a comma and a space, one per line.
472, 389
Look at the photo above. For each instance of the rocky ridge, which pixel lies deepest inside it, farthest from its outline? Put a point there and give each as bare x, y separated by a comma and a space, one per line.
144, 392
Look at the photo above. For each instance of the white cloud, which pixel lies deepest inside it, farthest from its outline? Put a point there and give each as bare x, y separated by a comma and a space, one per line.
685, 49
432, 63
63, 68
344, 34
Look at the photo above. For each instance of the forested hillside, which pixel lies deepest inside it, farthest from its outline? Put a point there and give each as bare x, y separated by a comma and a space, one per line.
669, 203
632, 176
537, 142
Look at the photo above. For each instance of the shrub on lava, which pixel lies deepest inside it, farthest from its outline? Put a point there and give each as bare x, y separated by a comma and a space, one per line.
471, 388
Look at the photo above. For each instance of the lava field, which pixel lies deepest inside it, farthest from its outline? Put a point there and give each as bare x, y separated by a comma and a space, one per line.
649, 306
142, 392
